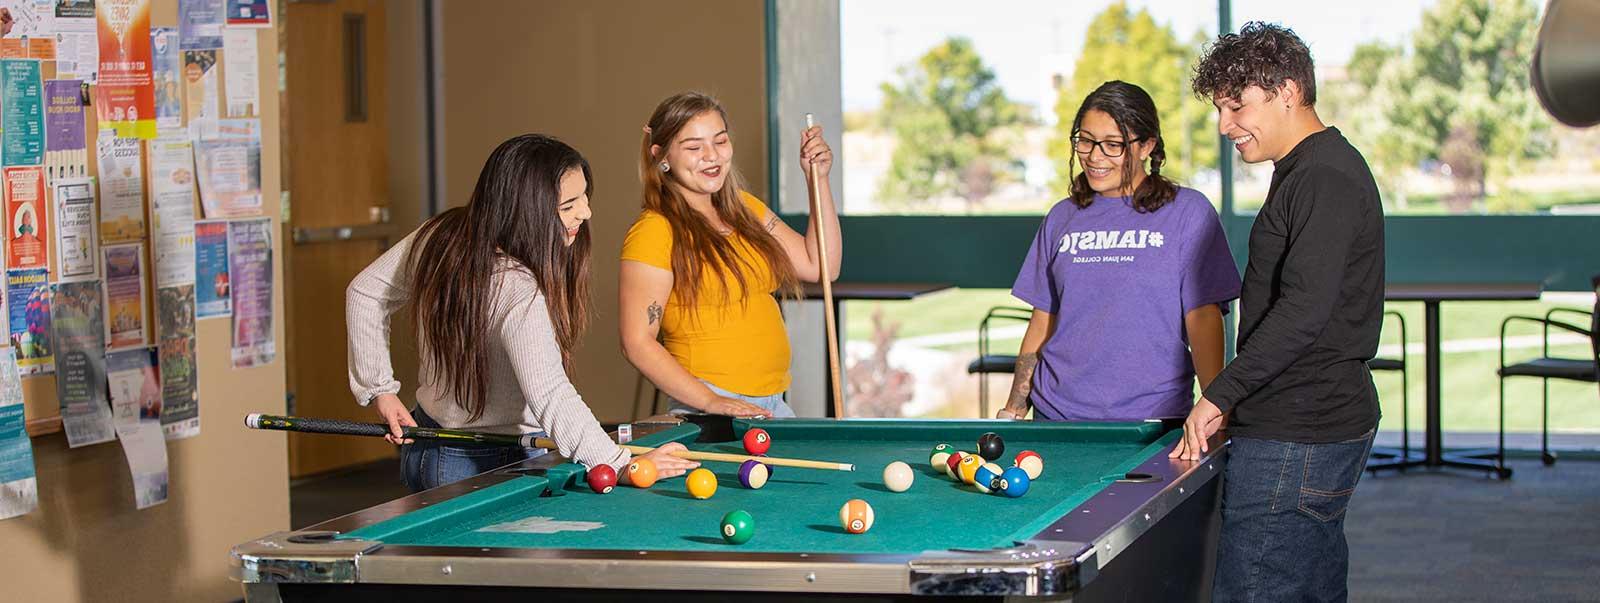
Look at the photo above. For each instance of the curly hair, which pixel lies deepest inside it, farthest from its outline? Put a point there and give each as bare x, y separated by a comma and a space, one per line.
1264, 55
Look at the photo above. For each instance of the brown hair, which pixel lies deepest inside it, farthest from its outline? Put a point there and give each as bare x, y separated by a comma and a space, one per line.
1264, 55
1135, 115
695, 244
513, 213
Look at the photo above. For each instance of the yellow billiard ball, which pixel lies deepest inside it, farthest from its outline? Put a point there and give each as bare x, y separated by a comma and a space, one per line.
702, 483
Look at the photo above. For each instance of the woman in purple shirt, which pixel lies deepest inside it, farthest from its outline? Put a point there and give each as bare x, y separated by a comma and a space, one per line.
1128, 278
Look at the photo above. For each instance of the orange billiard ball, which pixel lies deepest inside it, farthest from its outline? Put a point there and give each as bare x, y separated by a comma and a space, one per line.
642, 472
856, 516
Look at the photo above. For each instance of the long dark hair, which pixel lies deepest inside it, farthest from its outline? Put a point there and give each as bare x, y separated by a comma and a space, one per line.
1135, 113
695, 244
513, 213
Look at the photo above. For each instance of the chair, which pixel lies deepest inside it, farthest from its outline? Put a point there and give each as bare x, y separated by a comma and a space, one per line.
1547, 368
1389, 457
987, 362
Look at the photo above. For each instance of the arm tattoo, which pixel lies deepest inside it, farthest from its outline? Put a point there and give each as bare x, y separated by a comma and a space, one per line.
772, 222
1022, 383
654, 312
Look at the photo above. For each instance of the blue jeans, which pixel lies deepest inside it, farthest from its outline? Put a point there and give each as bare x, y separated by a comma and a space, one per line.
774, 402
1283, 507
427, 464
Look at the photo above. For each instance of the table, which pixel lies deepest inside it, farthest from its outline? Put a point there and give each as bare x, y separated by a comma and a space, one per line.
1110, 518
843, 292
1431, 295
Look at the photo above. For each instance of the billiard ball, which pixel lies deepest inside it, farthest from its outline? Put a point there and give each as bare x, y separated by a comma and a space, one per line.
897, 476
952, 463
757, 441
753, 474
702, 483
1031, 462
984, 477
738, 527
856, 516
771, 468
642, 472
969, 466
940, 454
990, 446
602, 478
1016, 482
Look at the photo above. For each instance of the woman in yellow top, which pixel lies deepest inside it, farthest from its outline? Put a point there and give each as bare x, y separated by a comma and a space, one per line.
703, 261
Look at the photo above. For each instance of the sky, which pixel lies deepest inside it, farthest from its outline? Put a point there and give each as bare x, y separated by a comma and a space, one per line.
1025, 41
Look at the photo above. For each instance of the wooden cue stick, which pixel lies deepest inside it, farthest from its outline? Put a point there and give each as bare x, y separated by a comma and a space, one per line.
695, 455
830, 322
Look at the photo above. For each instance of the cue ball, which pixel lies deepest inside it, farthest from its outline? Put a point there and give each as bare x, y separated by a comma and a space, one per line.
897, 476
642, 472
738, 527
969, 467
1016, 482
990, 446
984, 477
1031, 462
856, 516
702, 483
602, 478
753, 474
757, 441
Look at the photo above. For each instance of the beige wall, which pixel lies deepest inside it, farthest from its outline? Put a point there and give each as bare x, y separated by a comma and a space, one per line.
227, 485
590, 73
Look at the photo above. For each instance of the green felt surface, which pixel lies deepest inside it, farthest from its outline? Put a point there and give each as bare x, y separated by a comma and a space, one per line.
798, 510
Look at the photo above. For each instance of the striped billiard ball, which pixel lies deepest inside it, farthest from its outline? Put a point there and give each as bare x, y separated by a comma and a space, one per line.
856, 516
753, 474
984, 477
1031, 462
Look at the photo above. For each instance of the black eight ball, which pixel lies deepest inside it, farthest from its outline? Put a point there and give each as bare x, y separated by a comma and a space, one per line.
990, 446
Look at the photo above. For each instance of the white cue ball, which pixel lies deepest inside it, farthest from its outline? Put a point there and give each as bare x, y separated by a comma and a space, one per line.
897, 476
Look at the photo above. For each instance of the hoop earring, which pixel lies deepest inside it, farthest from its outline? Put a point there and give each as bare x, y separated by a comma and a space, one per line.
665, 167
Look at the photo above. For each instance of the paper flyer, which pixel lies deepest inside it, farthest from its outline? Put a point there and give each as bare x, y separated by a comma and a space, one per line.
31, 31
200, 24
212, 295
172, 210
121, 188
136, 403
77, 46
200, 90
125, 99
248, 128
167, 77
19, 489
240, 72
249, 13
78, 318
126, 315
250, 267
180, 401
230, 178
27, 219
77, 247
28, 313
66, 155
21, 112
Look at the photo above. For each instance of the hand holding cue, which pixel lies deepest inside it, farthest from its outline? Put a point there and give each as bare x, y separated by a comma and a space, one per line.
339, 427
830, 322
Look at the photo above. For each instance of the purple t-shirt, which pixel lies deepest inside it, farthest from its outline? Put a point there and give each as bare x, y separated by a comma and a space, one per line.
1119, 283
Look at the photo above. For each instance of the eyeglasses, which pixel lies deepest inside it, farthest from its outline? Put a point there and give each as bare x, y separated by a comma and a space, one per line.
1110, 148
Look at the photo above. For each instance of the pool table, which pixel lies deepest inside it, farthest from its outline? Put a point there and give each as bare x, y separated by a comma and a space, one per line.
1110, 518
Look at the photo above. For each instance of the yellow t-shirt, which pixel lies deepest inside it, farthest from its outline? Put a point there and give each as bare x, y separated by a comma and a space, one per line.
739, 345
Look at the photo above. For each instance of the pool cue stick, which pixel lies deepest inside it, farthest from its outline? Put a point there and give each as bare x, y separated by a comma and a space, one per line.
461, 436
830, 322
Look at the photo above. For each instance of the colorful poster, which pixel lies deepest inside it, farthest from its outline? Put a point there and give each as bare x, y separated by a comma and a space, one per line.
19, 489
200, 24
230, 178
250, 267
121, 188
241, 72
180, 401
66, 155
124, 295
28, 30
135, 386
27, 219
212, 295
28, 310
78, 320
200, 91
168, 77
247, 128
172, 210
77, 248
21, 112
126, 100
77, 49
249, 13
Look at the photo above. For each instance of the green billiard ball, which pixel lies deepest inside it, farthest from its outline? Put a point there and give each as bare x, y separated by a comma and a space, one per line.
738, 527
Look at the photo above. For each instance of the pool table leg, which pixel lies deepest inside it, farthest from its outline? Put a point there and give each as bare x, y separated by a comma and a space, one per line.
262, 592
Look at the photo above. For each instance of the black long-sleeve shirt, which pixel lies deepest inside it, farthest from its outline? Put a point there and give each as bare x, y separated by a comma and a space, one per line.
1312, 302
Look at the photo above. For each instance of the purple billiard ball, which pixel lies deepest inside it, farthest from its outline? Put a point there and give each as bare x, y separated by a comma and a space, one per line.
753, 474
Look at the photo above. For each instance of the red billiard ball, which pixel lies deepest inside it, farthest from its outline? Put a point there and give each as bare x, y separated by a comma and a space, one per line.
602, 478
757, 441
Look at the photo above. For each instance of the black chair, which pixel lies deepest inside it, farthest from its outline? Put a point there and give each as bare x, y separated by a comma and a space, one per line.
988, 362
1547, 368
1389, 457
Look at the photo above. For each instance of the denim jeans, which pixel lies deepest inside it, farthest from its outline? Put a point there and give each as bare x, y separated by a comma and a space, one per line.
774, 402
1283, 509
427, 464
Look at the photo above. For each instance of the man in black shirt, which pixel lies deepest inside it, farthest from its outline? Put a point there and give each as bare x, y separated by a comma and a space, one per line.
1298, 399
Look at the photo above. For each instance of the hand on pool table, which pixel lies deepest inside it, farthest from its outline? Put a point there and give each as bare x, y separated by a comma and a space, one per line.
1203, 422
668, 465
733, 407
